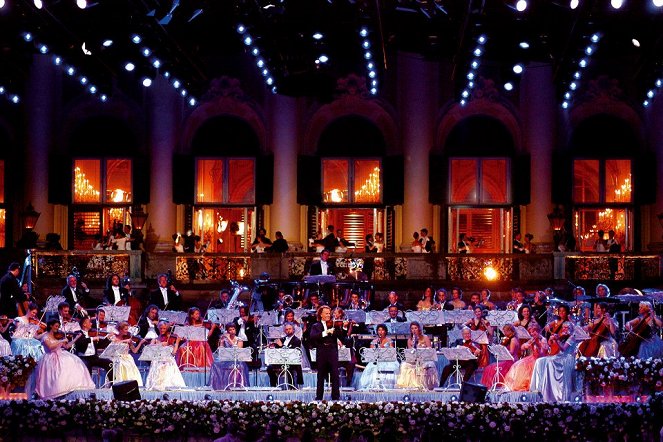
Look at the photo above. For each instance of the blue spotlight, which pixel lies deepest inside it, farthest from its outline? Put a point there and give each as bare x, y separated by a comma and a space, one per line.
129, 66
136, 39
147, 82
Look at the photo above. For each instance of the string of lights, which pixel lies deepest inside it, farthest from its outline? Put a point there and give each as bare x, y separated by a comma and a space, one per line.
260, 61
573, 85
474, 67
370, 63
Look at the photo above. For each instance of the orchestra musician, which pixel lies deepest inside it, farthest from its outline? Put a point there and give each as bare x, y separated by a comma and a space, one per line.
394, 315
125, 367
388, 371
441, 299
479, 322
540, 309
511, 342
643, 334
59, 372
554, 329
553, 376
10, 292
355, 302
485, 299
324, 337
224, 373
457, 299
5, 347
411, 375
287, 341
101, 324
524, 317
147, 324
323, 266
392, 299
165, 373
475, 299
426, 302
166, 296
602, 331
246, 327
520, 374
77, 297
196, 353
85, 346
28, 344
224, 300
339, 319
469, 366
114, 294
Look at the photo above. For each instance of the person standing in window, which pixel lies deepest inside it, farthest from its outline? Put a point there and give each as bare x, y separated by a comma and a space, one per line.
370, 246
416, 244
427, 242
463, 245
261, 242
600, 245
528, 245
518, 246
379, 242
343, 244
280, 245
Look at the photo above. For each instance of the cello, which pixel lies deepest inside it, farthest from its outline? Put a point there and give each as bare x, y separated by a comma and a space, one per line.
600, 332
631, 343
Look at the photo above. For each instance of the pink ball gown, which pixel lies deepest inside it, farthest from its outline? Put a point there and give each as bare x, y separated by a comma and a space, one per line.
60, 372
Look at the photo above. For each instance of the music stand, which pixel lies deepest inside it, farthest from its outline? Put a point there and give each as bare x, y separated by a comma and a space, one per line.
155, 352
501, 353
235, 355
221, 316
457, 316
52, 303
579, 334
285, 357
479, 336
426, 317
191, 334
25, 331
416, 357
116, 313
522, 334
500, 318
376, 317
70, 327
114, 352
172, 316
457, 354
375, 356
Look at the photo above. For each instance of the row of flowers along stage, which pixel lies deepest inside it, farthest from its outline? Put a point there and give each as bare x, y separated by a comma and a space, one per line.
619, 396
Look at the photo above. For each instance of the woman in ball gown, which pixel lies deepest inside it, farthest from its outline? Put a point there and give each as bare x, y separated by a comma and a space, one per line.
196, 353
524, 317
480, 323
124, 365
511, 342
555, 328
59, 372
426, 302
27, 335
554, 376
227, 374
651, 346
5, 348
387, 371
165, 373
519, 375
425, 375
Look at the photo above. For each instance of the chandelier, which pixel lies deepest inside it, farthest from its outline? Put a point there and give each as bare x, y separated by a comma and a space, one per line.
370, 190
83, 190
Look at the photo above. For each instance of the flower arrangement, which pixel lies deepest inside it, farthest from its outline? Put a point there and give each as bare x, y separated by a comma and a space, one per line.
644, 373
404, 420
15, 370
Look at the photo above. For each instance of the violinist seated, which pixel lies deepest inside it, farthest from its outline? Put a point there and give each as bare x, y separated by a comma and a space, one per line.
554, 376
76, 295
27, 337
246, 326
602, 331
64, 316
643, 334
99, 322
147, 324
340, 320
114, 293
124, 367
165, 373
288, 341
469, 366
555, 327
5, 347
87, 344
196, 353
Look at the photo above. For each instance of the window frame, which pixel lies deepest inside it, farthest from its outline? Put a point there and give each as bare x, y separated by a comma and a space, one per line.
103, 170
351, 182
478, 177
602, 200
226, 191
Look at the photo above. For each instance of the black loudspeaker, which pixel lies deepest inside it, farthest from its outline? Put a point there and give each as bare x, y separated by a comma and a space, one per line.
473, 393
126, 391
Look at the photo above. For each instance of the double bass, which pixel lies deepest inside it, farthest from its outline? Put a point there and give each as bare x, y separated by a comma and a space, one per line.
599, 332
630, 345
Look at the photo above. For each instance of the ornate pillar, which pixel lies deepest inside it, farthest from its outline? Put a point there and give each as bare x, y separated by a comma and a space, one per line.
165, 107
655, 114
538, 110
40, 102
418, 81
285, 141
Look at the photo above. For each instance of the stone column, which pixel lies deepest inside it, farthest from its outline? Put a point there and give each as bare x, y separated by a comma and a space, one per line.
165, 108
418, 108
284, 136
538, 109
655, 114
40, 102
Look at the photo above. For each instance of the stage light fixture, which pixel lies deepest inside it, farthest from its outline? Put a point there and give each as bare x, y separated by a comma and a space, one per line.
565, 105
616, 4
659, 82
368, 55
2, 90
635, 42
574, 4
523, 397
595, 37
374, 91
183, 92
657, 3
370, 65
650, 94
255, 51
589, 50
15, 99
363, 32
2, 4
518, 68
470, 84
577, 398
645, 103
521, 5
273, 92
176, 84
146, 52
248, 40
93, 89
406, 398
43, 49
260, 63
241, 29
71, 71
129, 67
465, 94
474, 64
103, 97
147, 82
463, 102
265, 72
567, 96
366, 44
323, 58
573, 86
83, 80
454, 398
583, 63
136, 39
166, 74
27, 36
372, 74
81, 4
192, 102
317, 36
156, 63
470, 76
374, 83
57, 60
523, 45
576, 75
38, 4
269, 81
107, 43
508, 86
482, 39
478, 52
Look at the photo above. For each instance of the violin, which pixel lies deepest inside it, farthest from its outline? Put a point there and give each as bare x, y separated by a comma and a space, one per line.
95, 332
35, 321
4, 320
506, 341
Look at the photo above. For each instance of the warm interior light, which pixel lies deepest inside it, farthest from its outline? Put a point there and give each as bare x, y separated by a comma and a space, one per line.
490, 273
240, 230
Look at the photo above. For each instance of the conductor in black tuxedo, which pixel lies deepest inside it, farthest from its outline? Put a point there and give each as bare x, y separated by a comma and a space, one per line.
325, 337
114, 294
166, 297
77, 296
288, 341
322, 267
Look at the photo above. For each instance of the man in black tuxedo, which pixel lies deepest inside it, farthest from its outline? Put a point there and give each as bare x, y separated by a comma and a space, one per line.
86, 349
10, 292
324, 337
392, 300
166, 297
322, 267
76, 296
115, 294
394, 315
288, 341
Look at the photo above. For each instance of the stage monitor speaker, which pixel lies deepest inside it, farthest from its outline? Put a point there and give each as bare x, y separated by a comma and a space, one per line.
126, 391
473, 393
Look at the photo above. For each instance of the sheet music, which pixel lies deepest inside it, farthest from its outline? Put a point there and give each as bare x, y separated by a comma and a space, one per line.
344, 354
398, 328
418, 355
269, 318
426, 317
172, 316
232, 354
116, 313
221, 316
369, 355
53, 302
480, 337
500, 318
357, 316
458, 353
283, 356
25, 331
579, 334
501, 352
457, 316
191, 333
376, 317
115, 350
156, 352
522, 333
70, 327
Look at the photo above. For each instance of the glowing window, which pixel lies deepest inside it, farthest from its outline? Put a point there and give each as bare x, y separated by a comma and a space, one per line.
479, 181
352, 181
225, 181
